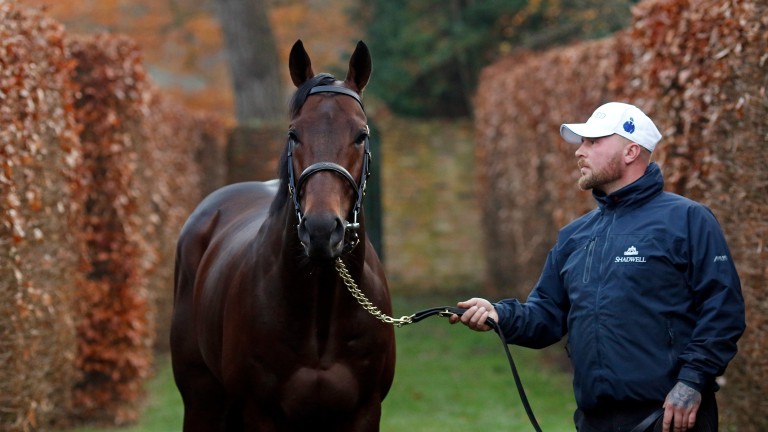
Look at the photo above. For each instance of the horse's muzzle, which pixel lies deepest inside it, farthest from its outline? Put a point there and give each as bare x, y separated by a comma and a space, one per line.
322, 235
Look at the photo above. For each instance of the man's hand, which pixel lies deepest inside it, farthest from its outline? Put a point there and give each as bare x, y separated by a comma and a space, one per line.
680, 408
478, 310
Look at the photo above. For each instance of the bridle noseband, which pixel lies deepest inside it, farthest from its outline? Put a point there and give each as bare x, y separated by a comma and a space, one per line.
294, 187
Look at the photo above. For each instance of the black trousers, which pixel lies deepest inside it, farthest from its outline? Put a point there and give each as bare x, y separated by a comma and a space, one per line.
624, 416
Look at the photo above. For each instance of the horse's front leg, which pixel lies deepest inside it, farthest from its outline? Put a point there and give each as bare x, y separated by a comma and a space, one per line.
205, 405
367, 418
255, 417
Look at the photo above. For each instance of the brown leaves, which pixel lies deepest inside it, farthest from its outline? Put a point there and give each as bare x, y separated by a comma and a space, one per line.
97, 173
38, 252
142, 182
698, 69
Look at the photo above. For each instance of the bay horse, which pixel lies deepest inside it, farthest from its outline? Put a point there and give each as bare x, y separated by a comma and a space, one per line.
264, 335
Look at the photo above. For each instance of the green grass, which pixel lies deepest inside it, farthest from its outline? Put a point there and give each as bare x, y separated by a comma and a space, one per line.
448, 378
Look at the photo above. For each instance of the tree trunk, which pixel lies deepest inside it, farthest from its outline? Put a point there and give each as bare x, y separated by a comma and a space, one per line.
253, 60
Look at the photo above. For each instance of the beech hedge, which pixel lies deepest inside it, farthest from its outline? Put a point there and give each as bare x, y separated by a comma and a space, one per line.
98, 172
699, 68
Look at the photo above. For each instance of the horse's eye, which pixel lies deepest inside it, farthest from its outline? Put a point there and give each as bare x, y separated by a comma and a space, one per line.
293, 137
361, 138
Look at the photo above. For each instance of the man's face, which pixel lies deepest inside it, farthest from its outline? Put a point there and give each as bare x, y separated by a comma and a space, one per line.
601, 162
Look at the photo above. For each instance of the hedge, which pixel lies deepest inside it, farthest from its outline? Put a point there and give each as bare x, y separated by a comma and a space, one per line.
40, 262
99, 172
143, 154
698, 68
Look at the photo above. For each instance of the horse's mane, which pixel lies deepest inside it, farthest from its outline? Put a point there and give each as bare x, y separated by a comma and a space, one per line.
297, 101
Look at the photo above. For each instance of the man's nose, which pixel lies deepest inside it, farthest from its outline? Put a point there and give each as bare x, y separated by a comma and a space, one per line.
579, 153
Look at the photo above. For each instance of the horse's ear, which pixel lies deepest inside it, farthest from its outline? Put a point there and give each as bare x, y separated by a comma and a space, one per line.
359, 67
299, 64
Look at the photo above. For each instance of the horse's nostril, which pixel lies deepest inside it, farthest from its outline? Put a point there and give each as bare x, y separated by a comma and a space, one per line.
340, 224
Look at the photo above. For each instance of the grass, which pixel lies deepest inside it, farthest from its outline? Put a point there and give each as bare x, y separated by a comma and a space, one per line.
447, 379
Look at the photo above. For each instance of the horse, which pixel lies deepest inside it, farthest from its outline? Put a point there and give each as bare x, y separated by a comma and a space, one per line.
264, 335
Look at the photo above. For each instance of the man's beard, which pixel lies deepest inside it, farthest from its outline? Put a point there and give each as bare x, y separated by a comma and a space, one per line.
594, 179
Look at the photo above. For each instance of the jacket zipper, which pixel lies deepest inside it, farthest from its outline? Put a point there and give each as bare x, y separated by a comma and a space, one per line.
588, 264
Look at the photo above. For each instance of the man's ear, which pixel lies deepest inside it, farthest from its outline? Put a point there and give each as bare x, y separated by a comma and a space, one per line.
632, 151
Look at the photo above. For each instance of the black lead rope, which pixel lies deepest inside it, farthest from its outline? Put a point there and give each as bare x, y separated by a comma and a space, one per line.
447, 312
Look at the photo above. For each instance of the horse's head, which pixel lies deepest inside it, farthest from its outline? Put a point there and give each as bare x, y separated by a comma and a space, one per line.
327, 155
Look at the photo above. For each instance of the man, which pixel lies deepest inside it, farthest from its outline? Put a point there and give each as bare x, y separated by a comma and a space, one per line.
644, 286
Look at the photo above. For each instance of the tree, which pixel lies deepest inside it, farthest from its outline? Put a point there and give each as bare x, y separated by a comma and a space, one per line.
430, 52
253, 60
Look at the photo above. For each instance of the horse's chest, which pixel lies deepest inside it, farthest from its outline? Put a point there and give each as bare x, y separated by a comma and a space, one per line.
328, 370
307, 389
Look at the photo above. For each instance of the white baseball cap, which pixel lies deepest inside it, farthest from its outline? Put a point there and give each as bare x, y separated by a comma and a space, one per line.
615, 118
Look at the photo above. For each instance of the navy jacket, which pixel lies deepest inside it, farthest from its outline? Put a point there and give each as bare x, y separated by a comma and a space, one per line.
646, 289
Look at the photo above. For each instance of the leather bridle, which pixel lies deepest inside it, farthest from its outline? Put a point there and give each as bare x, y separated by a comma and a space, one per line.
294, 186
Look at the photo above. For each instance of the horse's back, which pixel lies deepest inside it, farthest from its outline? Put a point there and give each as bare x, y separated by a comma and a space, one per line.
238, 200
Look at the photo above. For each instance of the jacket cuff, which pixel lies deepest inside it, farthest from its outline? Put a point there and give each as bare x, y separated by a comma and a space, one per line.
504, 311
692, 378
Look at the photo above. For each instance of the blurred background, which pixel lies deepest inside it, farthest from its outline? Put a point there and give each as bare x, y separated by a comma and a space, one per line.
145, 106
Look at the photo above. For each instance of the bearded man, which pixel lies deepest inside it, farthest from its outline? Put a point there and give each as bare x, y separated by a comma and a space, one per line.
644, 286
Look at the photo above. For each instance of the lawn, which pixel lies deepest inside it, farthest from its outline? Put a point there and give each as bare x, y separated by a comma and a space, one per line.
447, 379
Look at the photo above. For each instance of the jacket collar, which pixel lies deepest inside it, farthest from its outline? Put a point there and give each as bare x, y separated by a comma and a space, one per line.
642, 190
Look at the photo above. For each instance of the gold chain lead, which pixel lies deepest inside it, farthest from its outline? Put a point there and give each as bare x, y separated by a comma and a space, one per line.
364, 302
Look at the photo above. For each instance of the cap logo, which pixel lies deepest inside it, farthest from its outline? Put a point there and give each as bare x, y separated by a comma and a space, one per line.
599, 115
629, 126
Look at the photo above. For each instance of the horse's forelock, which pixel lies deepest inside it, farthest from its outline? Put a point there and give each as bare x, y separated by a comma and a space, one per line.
302, 92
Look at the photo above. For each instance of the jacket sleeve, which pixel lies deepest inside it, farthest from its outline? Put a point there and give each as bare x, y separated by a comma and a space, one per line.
718, 300
541, 320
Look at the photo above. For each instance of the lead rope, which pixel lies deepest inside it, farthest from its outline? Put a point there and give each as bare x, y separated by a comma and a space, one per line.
441, 311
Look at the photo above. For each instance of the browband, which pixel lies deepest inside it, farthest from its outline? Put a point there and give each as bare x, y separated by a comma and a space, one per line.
337, 89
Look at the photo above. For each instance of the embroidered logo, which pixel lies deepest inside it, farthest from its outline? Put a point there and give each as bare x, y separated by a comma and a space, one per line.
630, 255
721, 258
629, 126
